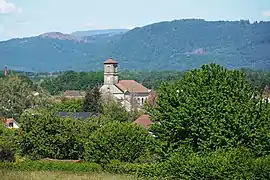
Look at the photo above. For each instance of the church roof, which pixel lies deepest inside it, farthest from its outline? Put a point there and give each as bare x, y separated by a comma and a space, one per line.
131, 86
110, 61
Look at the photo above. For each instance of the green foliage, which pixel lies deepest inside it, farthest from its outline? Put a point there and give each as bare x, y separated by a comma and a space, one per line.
257, 78
5, 135
113, 111
18, 94
43, 134
6, 144
51, 166
71, 80
233, 164
211, 108
68, 105
92, 101
125, 142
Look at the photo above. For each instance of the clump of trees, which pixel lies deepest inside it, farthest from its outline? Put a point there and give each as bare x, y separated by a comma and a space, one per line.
121, 141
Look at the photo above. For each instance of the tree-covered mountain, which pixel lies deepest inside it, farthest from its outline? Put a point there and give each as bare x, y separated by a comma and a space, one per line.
98, 32
179, 44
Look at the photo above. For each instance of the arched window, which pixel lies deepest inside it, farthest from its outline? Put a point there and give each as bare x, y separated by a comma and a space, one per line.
142, 101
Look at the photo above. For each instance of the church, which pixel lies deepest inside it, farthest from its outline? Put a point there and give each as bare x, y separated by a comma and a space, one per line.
130, 93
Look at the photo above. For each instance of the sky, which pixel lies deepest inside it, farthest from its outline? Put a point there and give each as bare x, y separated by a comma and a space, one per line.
24, 18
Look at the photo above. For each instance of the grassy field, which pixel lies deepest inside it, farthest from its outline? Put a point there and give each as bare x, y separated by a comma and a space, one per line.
48, 175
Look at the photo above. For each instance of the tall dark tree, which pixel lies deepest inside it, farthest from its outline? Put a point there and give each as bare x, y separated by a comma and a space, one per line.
92, 100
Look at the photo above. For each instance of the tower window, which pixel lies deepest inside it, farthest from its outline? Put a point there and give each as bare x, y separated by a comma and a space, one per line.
108, 68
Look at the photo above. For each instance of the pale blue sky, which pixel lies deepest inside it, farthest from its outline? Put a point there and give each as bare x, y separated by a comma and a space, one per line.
20, 18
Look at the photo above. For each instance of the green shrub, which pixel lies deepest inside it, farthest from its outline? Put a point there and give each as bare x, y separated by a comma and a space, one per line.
51, 166
68, 105
7, 145
46, 135
6, 154
232, 164
261, 168
125, 142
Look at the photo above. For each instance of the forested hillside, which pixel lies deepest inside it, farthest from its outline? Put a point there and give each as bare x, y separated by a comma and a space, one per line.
176, 45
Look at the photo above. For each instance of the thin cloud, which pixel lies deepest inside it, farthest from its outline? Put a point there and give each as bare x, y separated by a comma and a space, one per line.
266, 14
7, 7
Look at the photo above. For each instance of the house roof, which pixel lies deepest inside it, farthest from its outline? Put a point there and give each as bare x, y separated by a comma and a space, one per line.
74, 93
11, 120
77, 115
144, 120
110, 61
131, 86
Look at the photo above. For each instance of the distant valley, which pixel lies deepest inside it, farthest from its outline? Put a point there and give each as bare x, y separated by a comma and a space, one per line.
175, 45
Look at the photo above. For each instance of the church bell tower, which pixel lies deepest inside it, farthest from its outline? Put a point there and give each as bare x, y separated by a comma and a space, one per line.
110, 72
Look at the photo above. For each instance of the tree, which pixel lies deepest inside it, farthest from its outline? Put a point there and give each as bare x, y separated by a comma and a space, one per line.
92, 101
112, 110
211, 108
18, 95
43, 134
68, 105
125, 142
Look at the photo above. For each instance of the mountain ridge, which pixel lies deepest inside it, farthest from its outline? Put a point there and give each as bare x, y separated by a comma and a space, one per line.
170, 45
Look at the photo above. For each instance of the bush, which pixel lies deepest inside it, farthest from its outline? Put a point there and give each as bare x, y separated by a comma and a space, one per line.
6, 154
211, 108
7, 138
261, 168
125, 142
233, 164
68, 105
46, 135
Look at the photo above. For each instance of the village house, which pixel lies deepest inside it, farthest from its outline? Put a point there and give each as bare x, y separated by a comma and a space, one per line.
130, 93
73, 94
11, 123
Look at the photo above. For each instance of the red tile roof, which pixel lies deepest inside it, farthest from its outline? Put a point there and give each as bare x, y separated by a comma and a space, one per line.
144, 120
110, 61
131, 86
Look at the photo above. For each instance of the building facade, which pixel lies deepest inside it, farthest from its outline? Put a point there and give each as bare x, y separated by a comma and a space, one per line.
129, 92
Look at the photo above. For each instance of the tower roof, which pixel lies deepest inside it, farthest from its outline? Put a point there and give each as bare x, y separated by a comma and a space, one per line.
110, 61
